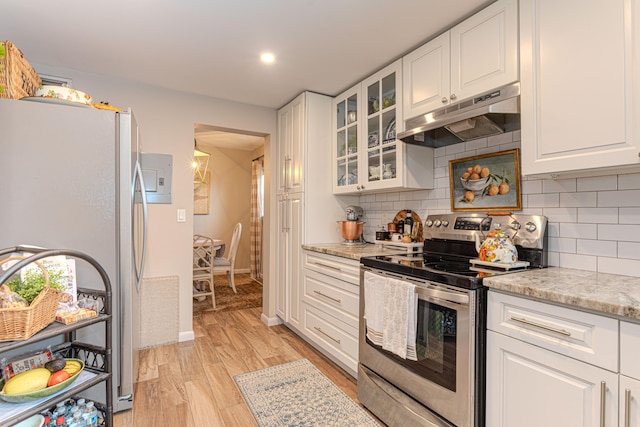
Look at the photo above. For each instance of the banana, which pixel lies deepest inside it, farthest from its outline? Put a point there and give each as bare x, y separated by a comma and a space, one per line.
72, 367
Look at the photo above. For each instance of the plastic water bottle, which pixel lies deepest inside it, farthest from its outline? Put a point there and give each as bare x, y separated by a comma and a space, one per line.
90, 415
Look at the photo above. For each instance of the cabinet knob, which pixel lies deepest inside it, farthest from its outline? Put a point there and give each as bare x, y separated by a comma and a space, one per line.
444, 99
453, 96
358, 187
362, 188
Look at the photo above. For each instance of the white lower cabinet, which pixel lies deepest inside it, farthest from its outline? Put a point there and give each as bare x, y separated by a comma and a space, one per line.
528, 386
329, 307
629, 374
556, 366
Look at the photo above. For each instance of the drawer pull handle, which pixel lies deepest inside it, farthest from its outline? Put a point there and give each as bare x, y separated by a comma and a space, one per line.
327, 265
326, 335
603, 401
541, 326
327, 296
627, 408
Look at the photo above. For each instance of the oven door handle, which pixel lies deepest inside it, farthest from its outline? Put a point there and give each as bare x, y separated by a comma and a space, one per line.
436, 295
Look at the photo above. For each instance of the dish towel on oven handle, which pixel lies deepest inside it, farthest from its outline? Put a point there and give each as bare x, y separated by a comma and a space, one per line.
374, 306
399, 318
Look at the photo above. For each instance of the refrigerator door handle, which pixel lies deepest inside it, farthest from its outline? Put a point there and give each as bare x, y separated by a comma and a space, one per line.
138, 179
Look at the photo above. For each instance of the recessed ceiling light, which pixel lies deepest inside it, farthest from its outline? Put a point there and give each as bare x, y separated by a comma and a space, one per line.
267, 57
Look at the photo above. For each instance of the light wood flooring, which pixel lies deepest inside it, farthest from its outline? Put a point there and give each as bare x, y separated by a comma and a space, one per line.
191, 384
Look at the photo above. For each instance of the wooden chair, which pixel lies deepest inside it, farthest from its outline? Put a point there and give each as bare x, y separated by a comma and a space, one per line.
227, 264
203, 255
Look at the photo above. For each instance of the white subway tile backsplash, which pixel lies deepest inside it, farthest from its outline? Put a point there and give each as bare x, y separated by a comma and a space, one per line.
561, 214
579, 200
543, 200
558, 244
578, 231
629, 250
598, 215
475, 144
594, 222
558, 186
629, 182
504, 138
596, 247
580, 262
442, 182
440, 172
625, 233
553, 229
626, 267
531, 187
619, 198
598, 183
553, 259
454, 149
629, 215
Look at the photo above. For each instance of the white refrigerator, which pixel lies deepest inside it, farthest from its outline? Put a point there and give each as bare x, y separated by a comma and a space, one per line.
71, 179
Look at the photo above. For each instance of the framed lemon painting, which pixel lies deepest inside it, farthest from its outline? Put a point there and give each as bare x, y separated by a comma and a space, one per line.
486, 182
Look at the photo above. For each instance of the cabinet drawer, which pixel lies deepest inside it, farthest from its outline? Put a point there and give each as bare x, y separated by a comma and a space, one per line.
583, 336
334, 266
333, 336
629, 349
333, 295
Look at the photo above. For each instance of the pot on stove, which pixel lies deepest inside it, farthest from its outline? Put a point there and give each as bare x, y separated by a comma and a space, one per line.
497, 247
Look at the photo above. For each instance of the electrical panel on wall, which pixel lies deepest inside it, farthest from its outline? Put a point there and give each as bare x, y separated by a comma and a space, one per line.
156, 172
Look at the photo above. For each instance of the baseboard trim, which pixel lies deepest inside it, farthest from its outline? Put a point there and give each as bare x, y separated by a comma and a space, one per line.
271, 321
186, 336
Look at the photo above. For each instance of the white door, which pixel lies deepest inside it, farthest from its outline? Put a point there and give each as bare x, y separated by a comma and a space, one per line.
484, 51
579, 98
296, 148
282, 272
426, 77
283, 147
629, 407
294, 241
528, 386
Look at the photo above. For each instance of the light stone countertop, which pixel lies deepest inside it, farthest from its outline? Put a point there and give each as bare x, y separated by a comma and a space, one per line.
609, 294
351, 252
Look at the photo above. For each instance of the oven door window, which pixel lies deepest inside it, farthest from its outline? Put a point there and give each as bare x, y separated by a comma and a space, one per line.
436, 337
436, 343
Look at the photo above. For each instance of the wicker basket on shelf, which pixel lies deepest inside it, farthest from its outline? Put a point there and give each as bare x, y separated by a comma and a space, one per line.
17, 76
23, 322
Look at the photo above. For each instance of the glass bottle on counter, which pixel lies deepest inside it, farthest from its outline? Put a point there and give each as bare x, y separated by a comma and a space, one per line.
408, 223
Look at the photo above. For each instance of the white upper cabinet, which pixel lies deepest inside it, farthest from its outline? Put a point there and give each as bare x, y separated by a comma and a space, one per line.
580, 85
475, 56
290, 147
427, 77
367, 155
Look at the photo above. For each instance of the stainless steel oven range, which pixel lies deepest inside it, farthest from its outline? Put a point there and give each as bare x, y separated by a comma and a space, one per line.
442, 384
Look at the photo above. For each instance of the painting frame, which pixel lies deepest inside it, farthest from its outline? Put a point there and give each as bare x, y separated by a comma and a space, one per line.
498, 186
201, 196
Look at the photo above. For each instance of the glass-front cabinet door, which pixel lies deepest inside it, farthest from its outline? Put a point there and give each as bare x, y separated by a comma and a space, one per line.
382, 102
367, 155
347, 149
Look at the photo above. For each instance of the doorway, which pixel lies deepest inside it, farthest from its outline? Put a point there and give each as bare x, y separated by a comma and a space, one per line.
235, 167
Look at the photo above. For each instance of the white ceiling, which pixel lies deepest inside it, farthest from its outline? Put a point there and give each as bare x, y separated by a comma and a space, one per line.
211, 47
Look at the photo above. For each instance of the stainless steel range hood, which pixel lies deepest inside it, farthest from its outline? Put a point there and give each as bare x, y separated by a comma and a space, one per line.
491, 113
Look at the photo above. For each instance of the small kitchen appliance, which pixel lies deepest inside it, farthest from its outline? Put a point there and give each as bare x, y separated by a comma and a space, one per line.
444, 385
351, 229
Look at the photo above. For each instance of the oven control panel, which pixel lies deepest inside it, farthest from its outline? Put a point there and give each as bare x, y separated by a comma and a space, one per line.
526, 230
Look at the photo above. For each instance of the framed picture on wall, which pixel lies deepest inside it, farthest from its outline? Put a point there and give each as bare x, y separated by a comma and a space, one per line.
201, 196
486, 182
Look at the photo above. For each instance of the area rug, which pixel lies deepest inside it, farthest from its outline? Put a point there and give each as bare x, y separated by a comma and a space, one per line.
249, 295
298, 394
